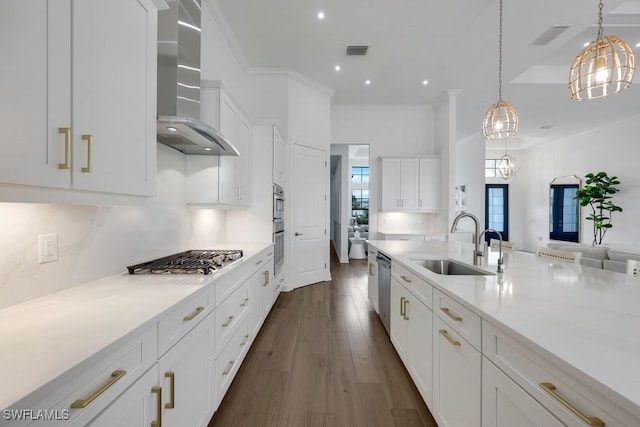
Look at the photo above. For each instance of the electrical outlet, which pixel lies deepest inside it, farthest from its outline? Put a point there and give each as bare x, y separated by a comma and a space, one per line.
47, 248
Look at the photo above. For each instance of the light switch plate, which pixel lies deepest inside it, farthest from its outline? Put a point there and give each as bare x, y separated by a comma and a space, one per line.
47, 248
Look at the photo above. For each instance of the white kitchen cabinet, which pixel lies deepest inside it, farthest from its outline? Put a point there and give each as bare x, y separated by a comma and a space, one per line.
410, 184
400, 184
221, 180
78, 102
429, 197
456, 378
139, 406
505, 404
411, 321
373, 278
279, 151
185, 378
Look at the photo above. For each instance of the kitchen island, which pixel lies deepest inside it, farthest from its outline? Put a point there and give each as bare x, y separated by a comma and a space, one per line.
579, 321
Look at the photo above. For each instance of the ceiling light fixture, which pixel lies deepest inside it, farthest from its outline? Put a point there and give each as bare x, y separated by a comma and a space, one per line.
507, 165
321, 15
367, 82
337, 68
425, 82
605, 67
501, 121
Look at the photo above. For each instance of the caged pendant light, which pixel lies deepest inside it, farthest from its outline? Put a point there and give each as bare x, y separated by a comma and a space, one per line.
507, 165
605, 67
501, 121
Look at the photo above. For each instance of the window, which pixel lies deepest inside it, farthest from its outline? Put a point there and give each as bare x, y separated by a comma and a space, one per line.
360, 206
496, 214
359, 174
563, 212
491, 168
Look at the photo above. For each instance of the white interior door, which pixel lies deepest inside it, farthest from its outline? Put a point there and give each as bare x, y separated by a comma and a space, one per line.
308, 216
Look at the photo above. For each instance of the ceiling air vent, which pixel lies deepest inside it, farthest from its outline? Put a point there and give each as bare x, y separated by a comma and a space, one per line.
550, 34
357, 50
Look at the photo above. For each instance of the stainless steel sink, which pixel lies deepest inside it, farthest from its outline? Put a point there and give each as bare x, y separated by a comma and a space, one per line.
450, 268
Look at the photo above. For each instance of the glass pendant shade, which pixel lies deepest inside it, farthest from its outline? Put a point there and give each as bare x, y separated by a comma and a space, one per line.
501, 121
507, 166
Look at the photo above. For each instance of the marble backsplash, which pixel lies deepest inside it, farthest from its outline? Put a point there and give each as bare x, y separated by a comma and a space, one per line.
99, 241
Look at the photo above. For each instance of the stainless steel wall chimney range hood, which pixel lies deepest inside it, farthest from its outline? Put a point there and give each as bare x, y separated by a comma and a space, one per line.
179, 124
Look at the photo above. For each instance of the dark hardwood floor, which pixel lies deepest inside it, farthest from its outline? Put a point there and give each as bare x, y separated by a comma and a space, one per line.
323, 358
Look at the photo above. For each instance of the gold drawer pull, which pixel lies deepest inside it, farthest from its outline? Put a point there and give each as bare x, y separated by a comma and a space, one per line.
158, 422
402, 306
370, 269
269, 254
446, 311
406, 279
590, 421
259, 262
245, 340
277, 287
172, 394
67, 148
193, 316
228, 322
89, 139
228, 368
445, 334
83, 403
265, 274
245, 303
406, 301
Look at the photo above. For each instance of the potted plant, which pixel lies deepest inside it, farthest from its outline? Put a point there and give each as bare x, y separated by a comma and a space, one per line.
597, 193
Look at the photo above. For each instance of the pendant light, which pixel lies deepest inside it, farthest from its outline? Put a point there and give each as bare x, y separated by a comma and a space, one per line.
507, 165
603, 68
501, 121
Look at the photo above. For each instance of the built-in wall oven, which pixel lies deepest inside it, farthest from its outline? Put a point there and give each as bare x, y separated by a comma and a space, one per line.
278, 228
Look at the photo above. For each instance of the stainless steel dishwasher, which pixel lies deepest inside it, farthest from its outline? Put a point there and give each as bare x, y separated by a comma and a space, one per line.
384, 289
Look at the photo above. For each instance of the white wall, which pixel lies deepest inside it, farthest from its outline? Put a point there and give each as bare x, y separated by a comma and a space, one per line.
98, 241
469, 172
389, 131
613, 149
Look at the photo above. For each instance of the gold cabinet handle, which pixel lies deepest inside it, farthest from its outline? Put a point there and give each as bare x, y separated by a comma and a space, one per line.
158, 391
590, 421
228, 322
406, 301
245, 303
370, 269
406, 279
446, 311
259, 262
277, 287
115, 377
265, 274
67, 148
89, 139
269, 254
245, 340
193, 316
228, 368
172, 390
445, 334
402, 306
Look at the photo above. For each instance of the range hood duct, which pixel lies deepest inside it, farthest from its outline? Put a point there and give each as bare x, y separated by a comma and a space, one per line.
179, 124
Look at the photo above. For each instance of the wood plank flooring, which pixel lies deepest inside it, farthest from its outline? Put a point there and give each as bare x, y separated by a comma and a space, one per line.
323, 359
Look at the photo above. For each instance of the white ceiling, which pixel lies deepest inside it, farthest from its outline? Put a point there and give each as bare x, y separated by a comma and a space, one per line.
451, 43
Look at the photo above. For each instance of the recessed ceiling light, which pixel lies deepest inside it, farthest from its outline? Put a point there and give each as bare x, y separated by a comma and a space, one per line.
172, 129
586, 44
425, 82
637, 44
337, 68
207, 149
367, 82
321, 15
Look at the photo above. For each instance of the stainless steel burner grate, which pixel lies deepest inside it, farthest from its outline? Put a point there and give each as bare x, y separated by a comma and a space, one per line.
188, 262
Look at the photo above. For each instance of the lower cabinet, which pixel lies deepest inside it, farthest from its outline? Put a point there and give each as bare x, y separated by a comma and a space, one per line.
456, 378
139, 406
506, 404
411, 335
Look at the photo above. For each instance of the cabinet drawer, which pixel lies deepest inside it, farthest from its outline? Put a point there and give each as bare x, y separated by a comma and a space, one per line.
181, 319
230, 359
230, 314
226, 284
414, 283
373, 252
461, 319
566, 396
79, 395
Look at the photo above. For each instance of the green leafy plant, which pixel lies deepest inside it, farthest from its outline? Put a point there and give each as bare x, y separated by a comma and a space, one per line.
597, 194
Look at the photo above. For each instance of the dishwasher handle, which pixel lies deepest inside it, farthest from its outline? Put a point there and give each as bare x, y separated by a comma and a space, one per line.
383, 260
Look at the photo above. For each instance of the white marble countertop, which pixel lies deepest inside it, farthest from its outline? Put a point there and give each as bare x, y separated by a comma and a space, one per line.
43, 338
586, 319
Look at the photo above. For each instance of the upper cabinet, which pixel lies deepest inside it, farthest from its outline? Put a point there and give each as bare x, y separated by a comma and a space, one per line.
410, 184
223, 180
78, 100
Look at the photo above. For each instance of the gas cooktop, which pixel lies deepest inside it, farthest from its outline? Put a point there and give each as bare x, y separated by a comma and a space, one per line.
188, 262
